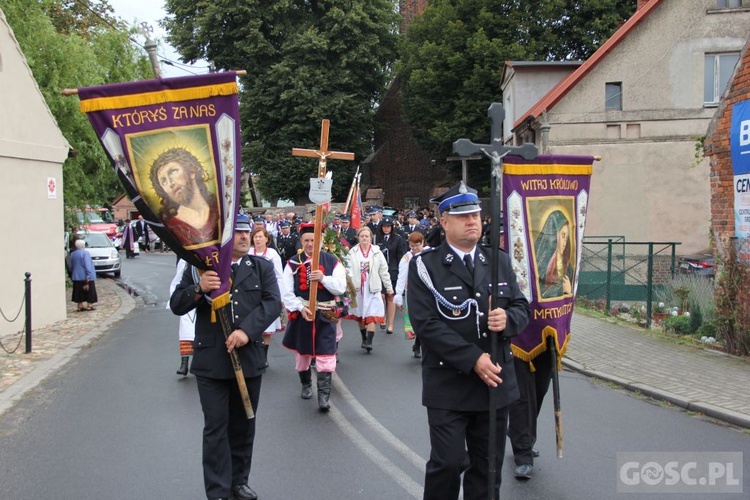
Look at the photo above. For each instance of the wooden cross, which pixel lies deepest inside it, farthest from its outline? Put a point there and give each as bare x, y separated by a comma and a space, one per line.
323, 155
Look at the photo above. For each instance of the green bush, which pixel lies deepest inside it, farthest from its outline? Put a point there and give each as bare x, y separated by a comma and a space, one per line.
678, 324
707, 329
696, 317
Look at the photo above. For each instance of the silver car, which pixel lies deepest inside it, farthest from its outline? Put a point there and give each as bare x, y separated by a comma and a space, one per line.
103, 252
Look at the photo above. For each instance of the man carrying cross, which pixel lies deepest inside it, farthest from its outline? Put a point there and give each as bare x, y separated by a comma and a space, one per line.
310, 282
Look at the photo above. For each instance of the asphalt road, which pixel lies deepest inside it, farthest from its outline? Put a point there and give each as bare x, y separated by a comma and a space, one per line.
118, 423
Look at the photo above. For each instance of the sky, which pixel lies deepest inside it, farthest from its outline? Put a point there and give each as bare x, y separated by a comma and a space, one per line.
150, 11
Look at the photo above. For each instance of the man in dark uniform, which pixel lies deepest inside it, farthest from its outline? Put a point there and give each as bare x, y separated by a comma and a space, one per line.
348, 232
287, 243
435, 235
228, 434
449, 289
412, 224
376, 214
141, 231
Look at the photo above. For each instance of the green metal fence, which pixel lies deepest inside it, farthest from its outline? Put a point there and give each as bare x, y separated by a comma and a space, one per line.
614, 269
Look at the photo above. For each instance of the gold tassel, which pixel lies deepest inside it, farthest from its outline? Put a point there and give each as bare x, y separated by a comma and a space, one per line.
217, 303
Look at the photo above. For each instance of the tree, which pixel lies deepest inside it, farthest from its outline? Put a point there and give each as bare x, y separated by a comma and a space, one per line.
306, 61
453, 55
62, 57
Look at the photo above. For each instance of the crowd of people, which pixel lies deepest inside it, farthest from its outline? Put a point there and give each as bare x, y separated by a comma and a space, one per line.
402, 260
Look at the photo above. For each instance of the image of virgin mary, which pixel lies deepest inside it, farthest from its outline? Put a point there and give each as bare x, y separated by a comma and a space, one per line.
552, 249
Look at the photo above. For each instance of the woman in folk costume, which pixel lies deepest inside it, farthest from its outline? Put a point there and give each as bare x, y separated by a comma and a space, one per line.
187, 323
416, 245
369, 272
261, 239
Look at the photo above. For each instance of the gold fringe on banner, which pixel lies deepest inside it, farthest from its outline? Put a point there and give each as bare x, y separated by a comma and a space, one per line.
540, 169
217, 303
548, 331
162, 96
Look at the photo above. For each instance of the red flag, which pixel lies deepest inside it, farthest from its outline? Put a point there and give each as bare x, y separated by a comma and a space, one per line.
356, 213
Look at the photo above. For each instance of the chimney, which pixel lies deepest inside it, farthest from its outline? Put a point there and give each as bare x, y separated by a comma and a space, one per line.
408, 10
642, 3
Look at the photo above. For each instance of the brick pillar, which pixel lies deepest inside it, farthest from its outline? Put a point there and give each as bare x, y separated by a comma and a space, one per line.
409, 9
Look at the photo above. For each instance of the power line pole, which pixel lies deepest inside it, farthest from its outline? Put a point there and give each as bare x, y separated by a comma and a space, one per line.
150, 47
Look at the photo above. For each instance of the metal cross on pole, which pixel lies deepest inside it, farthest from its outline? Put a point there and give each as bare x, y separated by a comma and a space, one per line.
496, 150
323, 156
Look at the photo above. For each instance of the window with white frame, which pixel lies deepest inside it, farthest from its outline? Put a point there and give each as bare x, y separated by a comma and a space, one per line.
717, 72
613, 96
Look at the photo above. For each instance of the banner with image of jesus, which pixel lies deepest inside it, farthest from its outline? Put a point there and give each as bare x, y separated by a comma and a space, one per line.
545, 203
174, 144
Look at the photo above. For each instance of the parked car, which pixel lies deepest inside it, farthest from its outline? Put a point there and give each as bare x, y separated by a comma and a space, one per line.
702, 265
103, 252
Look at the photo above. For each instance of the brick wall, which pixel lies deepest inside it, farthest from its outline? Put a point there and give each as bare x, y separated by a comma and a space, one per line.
402, 168
409, 9
718, 150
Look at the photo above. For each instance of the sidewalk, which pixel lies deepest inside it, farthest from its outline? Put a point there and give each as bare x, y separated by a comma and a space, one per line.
694, 378
700, 380
54, 345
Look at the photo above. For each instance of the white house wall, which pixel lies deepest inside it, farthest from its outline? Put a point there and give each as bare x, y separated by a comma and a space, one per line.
32, 150
649, 185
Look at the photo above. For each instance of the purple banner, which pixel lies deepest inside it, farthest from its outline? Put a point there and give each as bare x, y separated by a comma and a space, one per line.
545, 202
174, 145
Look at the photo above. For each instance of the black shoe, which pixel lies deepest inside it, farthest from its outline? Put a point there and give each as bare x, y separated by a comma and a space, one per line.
244, 492
523, 471
417, 351
534, 452
382, 326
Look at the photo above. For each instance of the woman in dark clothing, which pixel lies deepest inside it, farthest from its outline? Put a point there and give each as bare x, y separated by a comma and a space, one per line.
83, 274
393, 247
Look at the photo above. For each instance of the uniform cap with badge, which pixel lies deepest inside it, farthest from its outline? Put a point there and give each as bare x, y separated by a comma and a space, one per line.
459, 199
242, 223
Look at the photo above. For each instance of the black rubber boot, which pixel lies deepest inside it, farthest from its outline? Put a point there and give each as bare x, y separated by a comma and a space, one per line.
183, 370
306, 378
324, 390
363, 332
417, 350
368, 343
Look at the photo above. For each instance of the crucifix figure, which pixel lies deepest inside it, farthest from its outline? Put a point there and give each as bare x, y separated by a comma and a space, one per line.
323, 154
496, 150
